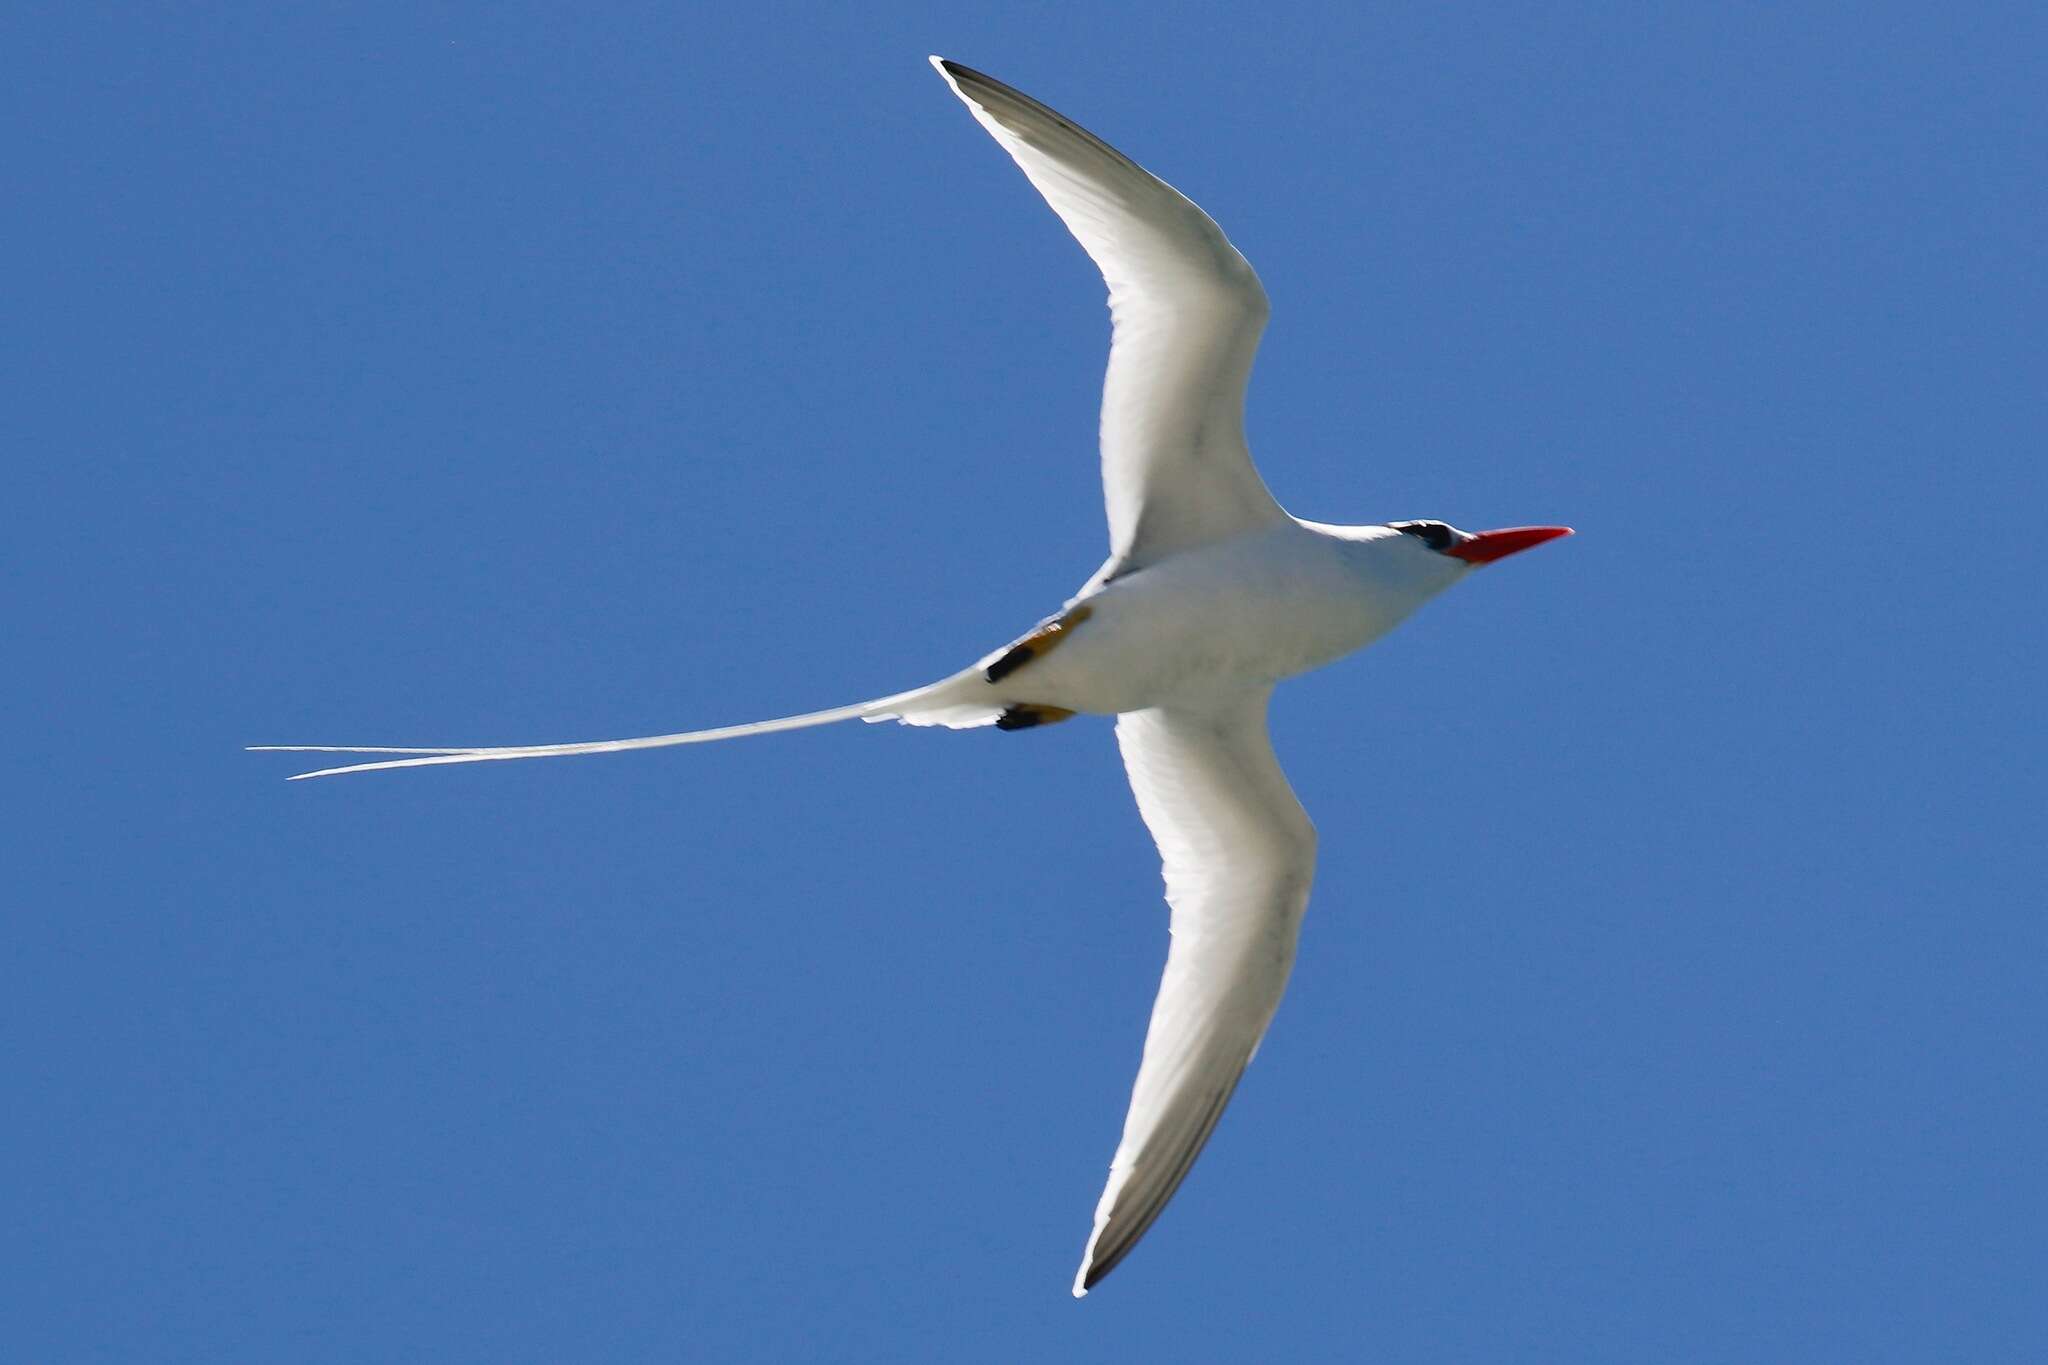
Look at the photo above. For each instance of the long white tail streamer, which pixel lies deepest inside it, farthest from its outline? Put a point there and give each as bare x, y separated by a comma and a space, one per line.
943, 703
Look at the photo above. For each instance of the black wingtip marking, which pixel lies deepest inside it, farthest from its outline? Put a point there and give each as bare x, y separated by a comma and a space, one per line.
1109, 1257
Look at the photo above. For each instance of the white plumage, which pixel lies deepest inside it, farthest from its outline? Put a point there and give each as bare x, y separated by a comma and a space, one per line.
1210, 595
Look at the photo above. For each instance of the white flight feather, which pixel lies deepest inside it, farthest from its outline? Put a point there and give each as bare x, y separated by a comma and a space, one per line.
1238, 854
1187, 311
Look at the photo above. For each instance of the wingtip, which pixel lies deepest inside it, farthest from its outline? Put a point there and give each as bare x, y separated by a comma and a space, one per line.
959, 75
1091, 1272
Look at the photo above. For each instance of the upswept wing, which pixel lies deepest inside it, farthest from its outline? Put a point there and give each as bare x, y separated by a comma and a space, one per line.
1186, 312
1238, 853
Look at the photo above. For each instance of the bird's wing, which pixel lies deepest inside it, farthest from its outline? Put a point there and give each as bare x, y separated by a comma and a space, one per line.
1239, 854
1186, 312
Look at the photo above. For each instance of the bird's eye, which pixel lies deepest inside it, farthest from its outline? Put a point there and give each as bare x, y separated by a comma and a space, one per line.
1435, 534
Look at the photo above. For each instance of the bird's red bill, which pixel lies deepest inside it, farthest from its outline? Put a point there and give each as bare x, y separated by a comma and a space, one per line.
1487, 546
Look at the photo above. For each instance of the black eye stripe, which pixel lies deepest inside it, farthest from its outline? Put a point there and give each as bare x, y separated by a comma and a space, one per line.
1435, 534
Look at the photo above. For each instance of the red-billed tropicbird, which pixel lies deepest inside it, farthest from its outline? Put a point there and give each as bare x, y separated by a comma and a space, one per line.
1211, 595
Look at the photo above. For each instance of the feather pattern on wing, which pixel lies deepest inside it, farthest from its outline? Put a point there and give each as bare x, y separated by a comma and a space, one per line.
1238, 854
1187, 313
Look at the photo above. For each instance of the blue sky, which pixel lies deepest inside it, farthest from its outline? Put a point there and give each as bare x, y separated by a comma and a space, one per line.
1672, 988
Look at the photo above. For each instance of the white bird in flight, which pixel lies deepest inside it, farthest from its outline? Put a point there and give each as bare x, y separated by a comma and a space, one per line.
1211, 595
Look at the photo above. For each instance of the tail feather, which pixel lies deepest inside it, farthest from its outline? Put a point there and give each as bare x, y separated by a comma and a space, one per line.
950, 702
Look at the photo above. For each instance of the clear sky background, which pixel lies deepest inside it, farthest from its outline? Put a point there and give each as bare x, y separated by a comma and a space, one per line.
1673, 985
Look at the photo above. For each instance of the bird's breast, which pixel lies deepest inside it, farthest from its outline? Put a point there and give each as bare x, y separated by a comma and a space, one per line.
1243, 613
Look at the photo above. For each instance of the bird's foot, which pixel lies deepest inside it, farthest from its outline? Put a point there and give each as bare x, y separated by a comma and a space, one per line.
1025, 716
1038, 643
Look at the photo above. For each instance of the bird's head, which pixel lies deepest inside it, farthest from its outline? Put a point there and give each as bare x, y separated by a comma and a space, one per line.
1476, 547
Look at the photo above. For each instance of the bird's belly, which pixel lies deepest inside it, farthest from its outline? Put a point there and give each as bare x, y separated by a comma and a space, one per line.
1233, 618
